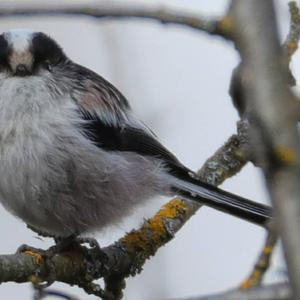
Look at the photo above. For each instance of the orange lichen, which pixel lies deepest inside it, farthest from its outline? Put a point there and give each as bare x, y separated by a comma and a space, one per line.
292, 47
246, 284
35, 279
38, 257
226, 24
154, 232
268, 250
286, 154
256, 276
252, 281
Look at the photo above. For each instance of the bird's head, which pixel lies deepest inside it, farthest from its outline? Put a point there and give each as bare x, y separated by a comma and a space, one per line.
26, 53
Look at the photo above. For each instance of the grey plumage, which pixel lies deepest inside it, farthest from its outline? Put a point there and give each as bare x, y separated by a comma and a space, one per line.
73, 158
52, 176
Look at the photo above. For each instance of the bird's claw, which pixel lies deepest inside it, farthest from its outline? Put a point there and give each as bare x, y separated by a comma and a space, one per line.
93, 243
93, 258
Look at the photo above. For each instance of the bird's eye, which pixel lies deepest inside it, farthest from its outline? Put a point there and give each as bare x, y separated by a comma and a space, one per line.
47, 65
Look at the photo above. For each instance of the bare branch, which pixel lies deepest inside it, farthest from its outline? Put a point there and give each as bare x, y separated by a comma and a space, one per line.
103, 11
272, 108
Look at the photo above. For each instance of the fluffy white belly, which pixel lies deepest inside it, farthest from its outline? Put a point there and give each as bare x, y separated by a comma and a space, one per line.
33, 126
53, 177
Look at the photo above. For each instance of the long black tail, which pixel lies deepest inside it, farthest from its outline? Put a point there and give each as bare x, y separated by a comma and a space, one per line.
189, 186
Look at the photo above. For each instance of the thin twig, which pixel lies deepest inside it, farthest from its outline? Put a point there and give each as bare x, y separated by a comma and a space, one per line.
263, 262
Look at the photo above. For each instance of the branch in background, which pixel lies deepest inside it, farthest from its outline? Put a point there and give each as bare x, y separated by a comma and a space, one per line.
228, 160
277, 291
273, 110
263, 262
127, 256
236, 90
290, 45
107, 11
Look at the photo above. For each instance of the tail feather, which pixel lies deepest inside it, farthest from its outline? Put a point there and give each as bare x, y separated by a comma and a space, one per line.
189, 186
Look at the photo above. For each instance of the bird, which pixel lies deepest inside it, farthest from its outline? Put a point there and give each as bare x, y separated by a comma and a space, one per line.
74, 158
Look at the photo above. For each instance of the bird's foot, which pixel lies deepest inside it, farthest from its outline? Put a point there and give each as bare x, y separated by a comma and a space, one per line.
95, 256
74, 243
62, 244
93, 243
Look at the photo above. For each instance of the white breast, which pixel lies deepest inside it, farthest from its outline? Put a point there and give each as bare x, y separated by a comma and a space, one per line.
30, 120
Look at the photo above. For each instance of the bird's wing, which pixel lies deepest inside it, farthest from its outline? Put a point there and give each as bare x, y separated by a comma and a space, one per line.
109, 122
97, 96
123, 138
110, 125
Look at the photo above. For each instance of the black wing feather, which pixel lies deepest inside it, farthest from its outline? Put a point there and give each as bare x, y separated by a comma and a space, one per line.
125, 138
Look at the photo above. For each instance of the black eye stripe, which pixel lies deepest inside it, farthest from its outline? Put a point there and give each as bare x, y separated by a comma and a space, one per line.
4, 51
46, 49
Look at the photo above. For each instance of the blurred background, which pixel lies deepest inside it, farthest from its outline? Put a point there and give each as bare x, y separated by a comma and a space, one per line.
177, 82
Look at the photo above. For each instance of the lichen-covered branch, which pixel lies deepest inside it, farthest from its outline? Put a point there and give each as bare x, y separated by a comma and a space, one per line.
263, 262
290, 45
100, 10
128, 255
273, 111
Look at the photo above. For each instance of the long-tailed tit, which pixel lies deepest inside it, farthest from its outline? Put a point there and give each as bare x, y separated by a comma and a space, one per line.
73, 157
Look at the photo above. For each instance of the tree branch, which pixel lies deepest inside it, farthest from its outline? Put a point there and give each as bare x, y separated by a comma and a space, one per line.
273, 110
103, 11
263, 262
236, 90
290, 45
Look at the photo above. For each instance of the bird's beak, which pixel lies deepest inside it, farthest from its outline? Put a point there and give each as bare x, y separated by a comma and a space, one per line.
22, 71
